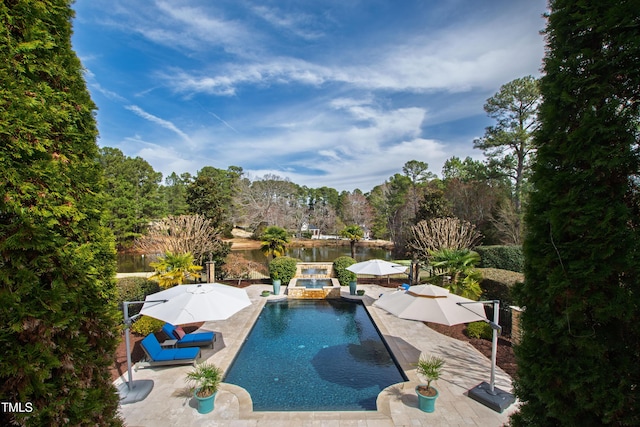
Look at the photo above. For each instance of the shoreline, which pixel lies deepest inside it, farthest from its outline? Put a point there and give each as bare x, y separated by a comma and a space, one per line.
239, 243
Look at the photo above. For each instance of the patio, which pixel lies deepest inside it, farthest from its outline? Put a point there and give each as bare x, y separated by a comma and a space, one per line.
171, 404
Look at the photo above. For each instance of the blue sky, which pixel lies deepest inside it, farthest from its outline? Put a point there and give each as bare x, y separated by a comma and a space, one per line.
337, 93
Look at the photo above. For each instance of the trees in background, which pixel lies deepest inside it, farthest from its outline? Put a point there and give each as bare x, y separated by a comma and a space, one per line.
183, 234
211, 194
355, 209
271, 200
578, 357
58, 319
133, 194
174, 193
508, 145
354, 233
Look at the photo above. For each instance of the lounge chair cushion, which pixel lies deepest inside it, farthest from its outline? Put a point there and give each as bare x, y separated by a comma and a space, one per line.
158, 354
179, 332
194, 339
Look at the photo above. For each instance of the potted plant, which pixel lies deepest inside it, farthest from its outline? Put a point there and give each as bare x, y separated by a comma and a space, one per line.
275, 280
429, 367
360, 292
265, 293
206, 378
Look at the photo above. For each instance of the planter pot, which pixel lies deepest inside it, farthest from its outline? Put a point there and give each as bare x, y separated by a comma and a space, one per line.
352, 287
276, 287
360, 292
205, 404
426, 403
266, 293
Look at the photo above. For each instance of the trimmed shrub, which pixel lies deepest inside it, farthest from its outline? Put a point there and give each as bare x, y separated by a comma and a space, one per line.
146, 325
502, 257
480, 330
135, 289
283, 268
340, 265
497, 284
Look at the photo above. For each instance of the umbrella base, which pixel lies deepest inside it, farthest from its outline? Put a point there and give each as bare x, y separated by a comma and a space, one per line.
140, 389
498, 401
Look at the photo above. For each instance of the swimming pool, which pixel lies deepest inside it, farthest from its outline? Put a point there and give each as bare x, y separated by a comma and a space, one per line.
321, 355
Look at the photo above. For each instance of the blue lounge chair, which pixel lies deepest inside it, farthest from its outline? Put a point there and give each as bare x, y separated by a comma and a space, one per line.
194, 339
157, 355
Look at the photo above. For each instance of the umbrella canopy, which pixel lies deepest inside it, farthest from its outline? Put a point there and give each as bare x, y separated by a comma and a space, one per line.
195, 303
430, 303
377, 267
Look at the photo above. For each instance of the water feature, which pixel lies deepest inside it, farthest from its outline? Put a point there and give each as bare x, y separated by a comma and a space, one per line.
313, 283
321, 355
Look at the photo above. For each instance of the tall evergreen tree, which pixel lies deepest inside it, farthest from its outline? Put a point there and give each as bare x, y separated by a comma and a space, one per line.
508, 144
134, 197
578, 359
58, 321
210, 194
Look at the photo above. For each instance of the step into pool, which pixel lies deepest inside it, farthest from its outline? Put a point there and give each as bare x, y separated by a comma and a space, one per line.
321, 355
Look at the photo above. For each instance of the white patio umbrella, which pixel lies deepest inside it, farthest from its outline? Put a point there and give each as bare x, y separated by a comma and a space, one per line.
430, 303
196, 303
377, 267
178, 305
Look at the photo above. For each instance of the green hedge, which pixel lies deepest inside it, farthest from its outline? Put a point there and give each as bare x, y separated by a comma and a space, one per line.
135, 289
502, 257
497, 284
340, 265
283, 268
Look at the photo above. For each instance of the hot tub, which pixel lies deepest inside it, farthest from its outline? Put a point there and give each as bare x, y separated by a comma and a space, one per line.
303, 288
314, 283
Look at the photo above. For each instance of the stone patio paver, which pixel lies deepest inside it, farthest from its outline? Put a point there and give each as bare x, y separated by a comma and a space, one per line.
170, 404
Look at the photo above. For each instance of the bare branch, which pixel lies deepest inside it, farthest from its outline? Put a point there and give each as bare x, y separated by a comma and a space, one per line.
182, 234
443, 233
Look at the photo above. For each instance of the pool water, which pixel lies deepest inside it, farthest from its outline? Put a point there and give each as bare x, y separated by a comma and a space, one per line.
313, 283
321, 355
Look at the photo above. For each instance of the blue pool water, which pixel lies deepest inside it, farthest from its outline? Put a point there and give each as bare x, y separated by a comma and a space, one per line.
313, 283
321, 355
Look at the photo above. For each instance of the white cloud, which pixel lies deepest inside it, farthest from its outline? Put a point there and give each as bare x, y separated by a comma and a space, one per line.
299, 24
157, 120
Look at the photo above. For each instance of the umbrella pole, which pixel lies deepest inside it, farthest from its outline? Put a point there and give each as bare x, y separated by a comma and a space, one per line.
129, 395
127, 341
488, 394
494, 345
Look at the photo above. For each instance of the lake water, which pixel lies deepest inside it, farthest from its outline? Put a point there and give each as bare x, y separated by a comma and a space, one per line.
136, 263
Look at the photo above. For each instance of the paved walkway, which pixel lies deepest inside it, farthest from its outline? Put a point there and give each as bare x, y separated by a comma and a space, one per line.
171, 404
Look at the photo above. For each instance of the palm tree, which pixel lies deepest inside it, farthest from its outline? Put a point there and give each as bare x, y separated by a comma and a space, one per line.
354, 233
457, 265
174, 269
274, 241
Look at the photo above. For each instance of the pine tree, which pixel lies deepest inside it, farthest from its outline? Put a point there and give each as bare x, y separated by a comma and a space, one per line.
58, 321
578, 359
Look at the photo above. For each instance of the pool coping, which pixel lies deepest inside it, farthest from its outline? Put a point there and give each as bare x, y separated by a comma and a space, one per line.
170, 404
